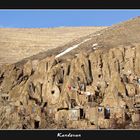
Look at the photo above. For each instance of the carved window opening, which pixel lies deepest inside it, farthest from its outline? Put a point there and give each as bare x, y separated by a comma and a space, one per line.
36, 124
68, 72
73, 103
99, 109
90, 98
52, 92
107, 113
82, 113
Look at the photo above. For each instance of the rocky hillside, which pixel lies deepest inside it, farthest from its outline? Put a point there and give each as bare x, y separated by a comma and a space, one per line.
90, 83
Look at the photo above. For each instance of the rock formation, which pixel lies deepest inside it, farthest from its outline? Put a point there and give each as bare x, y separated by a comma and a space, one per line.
94, 89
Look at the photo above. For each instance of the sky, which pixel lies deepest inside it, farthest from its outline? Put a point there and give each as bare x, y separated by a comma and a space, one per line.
60, 18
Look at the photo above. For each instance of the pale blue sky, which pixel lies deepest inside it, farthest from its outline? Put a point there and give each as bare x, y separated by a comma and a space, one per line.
56, 18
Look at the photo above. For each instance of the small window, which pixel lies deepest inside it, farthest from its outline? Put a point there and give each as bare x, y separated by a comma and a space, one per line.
45, 104
68, 71
78, 78
107, 84
73, 103
82, 66
100, 65
82, 87
107, 113
81, 113
5, 98
24, 126
99, 109
90, 98
126, 107
60, 81
52, 91
92, 123
36, 124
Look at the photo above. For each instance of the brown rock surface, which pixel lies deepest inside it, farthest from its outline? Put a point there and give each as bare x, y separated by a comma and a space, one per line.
97, 88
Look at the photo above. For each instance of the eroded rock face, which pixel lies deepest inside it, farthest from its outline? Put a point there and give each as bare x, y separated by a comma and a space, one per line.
45, 93
95, 84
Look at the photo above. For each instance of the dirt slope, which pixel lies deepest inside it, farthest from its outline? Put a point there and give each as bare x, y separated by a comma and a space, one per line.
16, 44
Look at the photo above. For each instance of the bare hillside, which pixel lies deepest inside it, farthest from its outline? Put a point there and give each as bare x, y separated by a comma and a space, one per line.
19, 43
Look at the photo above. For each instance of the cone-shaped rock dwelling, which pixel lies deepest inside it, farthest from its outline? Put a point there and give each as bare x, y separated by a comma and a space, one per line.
90, 83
